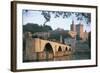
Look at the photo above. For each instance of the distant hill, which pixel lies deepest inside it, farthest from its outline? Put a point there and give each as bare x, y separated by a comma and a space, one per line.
31, 27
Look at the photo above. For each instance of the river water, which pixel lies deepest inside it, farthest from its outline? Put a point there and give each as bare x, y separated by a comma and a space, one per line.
75, 56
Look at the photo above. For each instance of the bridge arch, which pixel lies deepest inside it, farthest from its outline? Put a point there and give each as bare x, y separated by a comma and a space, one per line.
66, 49
48, 47
48, 51
59, 49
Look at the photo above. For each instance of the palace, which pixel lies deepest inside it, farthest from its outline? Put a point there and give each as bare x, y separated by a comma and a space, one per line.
77, 31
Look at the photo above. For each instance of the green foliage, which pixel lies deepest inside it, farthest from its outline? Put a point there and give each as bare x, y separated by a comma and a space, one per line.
56, 35
31, 27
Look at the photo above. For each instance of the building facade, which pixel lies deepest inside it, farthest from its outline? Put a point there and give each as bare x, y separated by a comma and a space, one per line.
77, 31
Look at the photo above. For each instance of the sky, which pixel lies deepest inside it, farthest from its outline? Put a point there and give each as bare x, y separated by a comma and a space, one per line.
33, 16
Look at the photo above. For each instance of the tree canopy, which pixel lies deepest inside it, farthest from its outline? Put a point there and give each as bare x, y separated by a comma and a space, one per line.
79, 15
31, 27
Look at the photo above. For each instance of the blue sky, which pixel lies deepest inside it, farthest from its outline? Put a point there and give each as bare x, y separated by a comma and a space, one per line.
31, 16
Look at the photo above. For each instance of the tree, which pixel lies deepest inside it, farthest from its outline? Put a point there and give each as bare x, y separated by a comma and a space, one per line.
31, 27
79, 15
46, 15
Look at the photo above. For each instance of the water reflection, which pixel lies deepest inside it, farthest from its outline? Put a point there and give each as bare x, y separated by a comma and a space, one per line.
74, 56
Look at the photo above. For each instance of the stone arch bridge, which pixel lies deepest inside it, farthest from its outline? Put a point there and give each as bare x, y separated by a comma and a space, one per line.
43, 48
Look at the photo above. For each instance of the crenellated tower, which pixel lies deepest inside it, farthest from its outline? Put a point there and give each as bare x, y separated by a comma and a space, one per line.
73, 27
